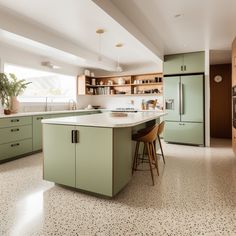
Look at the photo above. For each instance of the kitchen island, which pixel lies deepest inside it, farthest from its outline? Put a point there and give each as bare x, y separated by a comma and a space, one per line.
92, 152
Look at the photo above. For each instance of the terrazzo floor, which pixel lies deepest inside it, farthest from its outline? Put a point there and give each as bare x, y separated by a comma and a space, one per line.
195, 194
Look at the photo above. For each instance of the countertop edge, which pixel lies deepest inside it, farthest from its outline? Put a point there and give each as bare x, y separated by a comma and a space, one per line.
59, 121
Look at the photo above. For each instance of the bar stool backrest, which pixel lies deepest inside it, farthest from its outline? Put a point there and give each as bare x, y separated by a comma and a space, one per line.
151, 136
161, 127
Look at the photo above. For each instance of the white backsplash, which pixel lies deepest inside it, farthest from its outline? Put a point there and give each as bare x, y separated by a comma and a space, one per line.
35, 107
112, 102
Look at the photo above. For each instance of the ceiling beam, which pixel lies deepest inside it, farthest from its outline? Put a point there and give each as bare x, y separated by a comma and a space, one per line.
123, 20
33, 34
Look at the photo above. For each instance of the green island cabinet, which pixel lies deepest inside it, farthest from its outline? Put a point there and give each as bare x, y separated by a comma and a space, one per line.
185, 63
93, 159
37, 125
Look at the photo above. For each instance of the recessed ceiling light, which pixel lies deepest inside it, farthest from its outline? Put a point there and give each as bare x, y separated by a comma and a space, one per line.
119, 45
177, 15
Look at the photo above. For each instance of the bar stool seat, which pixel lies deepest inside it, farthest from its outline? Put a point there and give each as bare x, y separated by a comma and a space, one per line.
147, 138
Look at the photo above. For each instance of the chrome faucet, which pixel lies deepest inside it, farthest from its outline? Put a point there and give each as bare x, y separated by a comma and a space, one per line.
46, 104
72, 104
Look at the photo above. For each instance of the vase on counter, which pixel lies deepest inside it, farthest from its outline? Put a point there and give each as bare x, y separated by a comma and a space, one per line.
7, 112
15, 105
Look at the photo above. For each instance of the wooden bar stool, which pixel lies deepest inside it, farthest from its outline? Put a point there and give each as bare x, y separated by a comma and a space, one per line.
147, 139
159, 132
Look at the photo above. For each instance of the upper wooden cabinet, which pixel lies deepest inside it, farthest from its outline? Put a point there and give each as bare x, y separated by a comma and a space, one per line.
184, 63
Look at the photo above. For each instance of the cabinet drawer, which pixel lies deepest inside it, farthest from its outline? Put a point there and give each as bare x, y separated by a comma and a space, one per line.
15, 133
15, 121
184, 132
15, 149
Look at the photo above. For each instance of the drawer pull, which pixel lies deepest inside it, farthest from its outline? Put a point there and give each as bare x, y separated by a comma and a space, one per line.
14, 130
15, 120
15, 145
39, 118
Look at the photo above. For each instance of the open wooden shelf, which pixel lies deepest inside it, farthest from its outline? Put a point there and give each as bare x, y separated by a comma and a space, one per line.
133, 85
147, 84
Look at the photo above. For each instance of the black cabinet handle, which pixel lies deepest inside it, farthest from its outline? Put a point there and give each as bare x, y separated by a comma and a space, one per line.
39, 118
15, 145
74, 136
181, 68
15, 120
15, 130
185, 68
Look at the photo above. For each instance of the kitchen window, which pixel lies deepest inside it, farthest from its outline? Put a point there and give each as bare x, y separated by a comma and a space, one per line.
57, 87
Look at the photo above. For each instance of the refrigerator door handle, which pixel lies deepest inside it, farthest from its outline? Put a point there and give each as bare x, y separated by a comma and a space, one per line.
181, 99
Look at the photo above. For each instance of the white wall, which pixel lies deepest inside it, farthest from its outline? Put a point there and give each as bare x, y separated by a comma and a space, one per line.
117, 101
207, 98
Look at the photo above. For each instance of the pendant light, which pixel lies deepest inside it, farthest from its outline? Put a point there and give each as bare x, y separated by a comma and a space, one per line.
118, 67
99, 33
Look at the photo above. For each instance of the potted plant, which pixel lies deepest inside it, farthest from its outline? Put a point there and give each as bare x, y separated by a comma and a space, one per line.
5, 98
10, 88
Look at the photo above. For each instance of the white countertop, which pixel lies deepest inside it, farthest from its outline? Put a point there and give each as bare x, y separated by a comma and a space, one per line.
43, 113
106, 120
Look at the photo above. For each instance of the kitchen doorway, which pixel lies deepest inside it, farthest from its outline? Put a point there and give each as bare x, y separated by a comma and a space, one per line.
220, 101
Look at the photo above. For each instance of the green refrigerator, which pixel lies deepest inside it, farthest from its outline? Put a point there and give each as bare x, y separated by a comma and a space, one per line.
184, 103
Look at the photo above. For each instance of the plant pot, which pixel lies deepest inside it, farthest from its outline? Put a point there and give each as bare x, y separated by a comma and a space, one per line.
15, 105
7, 112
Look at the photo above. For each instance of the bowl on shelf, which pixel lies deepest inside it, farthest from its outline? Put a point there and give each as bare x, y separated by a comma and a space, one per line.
96, 107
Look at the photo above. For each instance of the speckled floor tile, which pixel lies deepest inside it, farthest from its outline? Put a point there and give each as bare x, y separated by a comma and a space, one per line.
195, 194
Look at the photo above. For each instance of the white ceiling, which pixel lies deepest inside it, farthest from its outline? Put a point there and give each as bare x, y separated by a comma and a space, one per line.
203, 24
77, 21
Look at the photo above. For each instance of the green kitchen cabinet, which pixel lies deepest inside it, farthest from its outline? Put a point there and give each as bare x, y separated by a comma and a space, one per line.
93, 159
185, 63
184, 132
94, 152
37, 131
37, 125
59, 154
173, 64
194, 62
15, 149
15, 121
15, 133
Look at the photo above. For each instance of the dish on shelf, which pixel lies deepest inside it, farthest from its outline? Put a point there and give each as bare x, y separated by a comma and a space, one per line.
96, 107
120, 92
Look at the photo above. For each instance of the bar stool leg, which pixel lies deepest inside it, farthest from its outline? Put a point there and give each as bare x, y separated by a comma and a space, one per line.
162, 153
150, 162
144, 152
155, 157
135, 157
